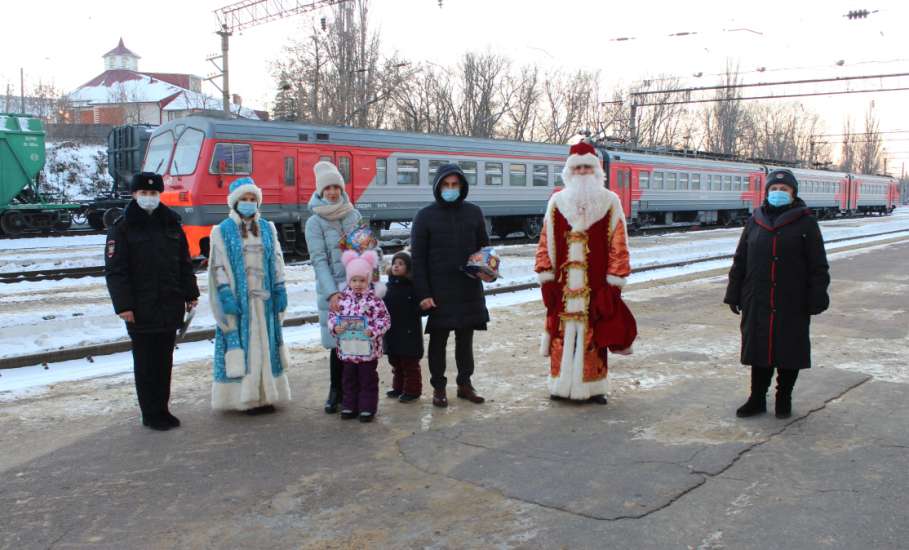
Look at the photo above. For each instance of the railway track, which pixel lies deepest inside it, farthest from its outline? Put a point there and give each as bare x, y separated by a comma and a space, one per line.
55, 274
88, 352
41, 235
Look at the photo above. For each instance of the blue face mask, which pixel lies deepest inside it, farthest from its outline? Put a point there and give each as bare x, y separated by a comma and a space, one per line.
247, 209
450, 195
779, 198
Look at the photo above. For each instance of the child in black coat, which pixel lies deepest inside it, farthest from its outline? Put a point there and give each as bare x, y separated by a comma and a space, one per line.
404, 341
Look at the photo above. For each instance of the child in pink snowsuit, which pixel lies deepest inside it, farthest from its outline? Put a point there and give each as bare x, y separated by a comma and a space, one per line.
360, 380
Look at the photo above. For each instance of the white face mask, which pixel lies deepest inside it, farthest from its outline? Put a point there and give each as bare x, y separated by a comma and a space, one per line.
148, 203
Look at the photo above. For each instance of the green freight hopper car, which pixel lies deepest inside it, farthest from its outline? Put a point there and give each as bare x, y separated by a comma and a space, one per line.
22, 207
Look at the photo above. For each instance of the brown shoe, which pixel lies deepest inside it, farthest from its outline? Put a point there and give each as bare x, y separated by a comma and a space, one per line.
439, 399
470, 394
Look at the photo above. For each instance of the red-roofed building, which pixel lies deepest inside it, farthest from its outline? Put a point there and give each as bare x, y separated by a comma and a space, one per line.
122, 94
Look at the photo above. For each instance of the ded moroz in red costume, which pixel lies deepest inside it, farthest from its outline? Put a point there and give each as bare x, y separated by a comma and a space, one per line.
582, 262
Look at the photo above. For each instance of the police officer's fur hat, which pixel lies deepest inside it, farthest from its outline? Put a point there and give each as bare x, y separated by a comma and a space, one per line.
785, 177
146, 181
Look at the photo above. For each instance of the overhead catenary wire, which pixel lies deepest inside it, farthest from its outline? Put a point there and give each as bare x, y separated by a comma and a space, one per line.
775, 96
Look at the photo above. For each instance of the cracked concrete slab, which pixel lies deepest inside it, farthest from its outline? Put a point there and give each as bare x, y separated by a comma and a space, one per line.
614, 462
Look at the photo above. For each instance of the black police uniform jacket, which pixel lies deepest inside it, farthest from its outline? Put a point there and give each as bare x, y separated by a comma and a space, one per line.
148, 268
779, 278
405, 337
443, 236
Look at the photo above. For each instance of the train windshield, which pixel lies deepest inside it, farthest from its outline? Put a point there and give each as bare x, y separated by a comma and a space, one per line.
186, 154
158, 155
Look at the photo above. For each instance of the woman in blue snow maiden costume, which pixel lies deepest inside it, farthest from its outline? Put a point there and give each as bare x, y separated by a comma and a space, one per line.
248, 301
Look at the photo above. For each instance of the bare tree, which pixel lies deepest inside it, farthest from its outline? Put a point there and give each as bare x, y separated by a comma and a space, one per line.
423, 103
662, 122
870, 148
338, 76
521, 117
723, 118
482, 95
848, 152
567, 101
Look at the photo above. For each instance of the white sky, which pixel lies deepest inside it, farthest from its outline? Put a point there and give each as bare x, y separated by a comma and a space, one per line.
799, 39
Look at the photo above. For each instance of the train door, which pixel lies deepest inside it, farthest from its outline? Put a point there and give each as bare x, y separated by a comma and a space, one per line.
623, 188
306, 178
855, 185
757, 190
344, 162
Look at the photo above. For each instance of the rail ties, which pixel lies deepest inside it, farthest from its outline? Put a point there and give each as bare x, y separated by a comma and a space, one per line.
52, 274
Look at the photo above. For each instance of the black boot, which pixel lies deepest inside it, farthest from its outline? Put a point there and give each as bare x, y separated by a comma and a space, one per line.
334, 390
785, 381
757, 401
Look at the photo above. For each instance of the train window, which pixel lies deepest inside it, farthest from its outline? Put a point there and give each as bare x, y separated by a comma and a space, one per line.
683, 181
695, 182
326, 158
727, 183
493, 173
657, 180
289, 169
381, 171
231, 158
644, 180
557, 173
540, 175
517, 174
671, 180
408, 172
434, 168
344, 167
469, 167
186, 154
158, 155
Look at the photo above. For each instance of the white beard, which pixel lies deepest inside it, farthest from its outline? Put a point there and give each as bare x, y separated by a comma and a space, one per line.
584, 201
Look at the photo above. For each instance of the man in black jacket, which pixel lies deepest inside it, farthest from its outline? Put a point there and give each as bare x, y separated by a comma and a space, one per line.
444, 234
151, 283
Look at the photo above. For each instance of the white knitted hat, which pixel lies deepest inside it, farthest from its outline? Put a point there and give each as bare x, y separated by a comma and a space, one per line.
327, 174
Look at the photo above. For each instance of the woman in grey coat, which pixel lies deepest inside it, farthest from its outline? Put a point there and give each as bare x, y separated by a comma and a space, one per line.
333, 217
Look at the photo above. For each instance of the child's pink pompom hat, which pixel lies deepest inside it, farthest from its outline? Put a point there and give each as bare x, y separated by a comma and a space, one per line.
359, 264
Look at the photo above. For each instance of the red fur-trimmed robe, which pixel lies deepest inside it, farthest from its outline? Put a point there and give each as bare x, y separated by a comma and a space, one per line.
582, 262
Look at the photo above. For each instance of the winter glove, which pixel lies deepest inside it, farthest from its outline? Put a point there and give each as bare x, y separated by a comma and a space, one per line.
735, 308
279, 297
227, 300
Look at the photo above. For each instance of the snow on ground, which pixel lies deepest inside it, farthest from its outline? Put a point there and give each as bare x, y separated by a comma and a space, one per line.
50, 315
100, 323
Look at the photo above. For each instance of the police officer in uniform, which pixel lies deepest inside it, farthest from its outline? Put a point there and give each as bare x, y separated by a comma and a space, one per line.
151, 283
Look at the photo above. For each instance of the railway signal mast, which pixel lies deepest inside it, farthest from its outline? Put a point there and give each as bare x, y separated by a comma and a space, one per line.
249, 13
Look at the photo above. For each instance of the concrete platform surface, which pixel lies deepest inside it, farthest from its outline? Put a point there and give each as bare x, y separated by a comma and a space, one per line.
664, 465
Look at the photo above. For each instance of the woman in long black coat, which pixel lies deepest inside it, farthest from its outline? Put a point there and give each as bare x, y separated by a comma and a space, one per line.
778, 280
444, 234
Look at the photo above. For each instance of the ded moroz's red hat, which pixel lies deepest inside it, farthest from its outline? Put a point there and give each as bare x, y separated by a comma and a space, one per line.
583, 154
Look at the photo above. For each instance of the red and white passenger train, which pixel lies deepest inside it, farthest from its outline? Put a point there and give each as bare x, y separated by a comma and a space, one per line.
389, 175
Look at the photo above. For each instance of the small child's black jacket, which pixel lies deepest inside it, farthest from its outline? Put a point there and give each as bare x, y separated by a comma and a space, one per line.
405, 338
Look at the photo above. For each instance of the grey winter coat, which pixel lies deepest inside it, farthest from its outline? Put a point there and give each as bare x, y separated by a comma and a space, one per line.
322, 240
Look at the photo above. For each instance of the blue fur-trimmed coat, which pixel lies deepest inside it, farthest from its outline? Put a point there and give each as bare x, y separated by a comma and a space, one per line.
248, 300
